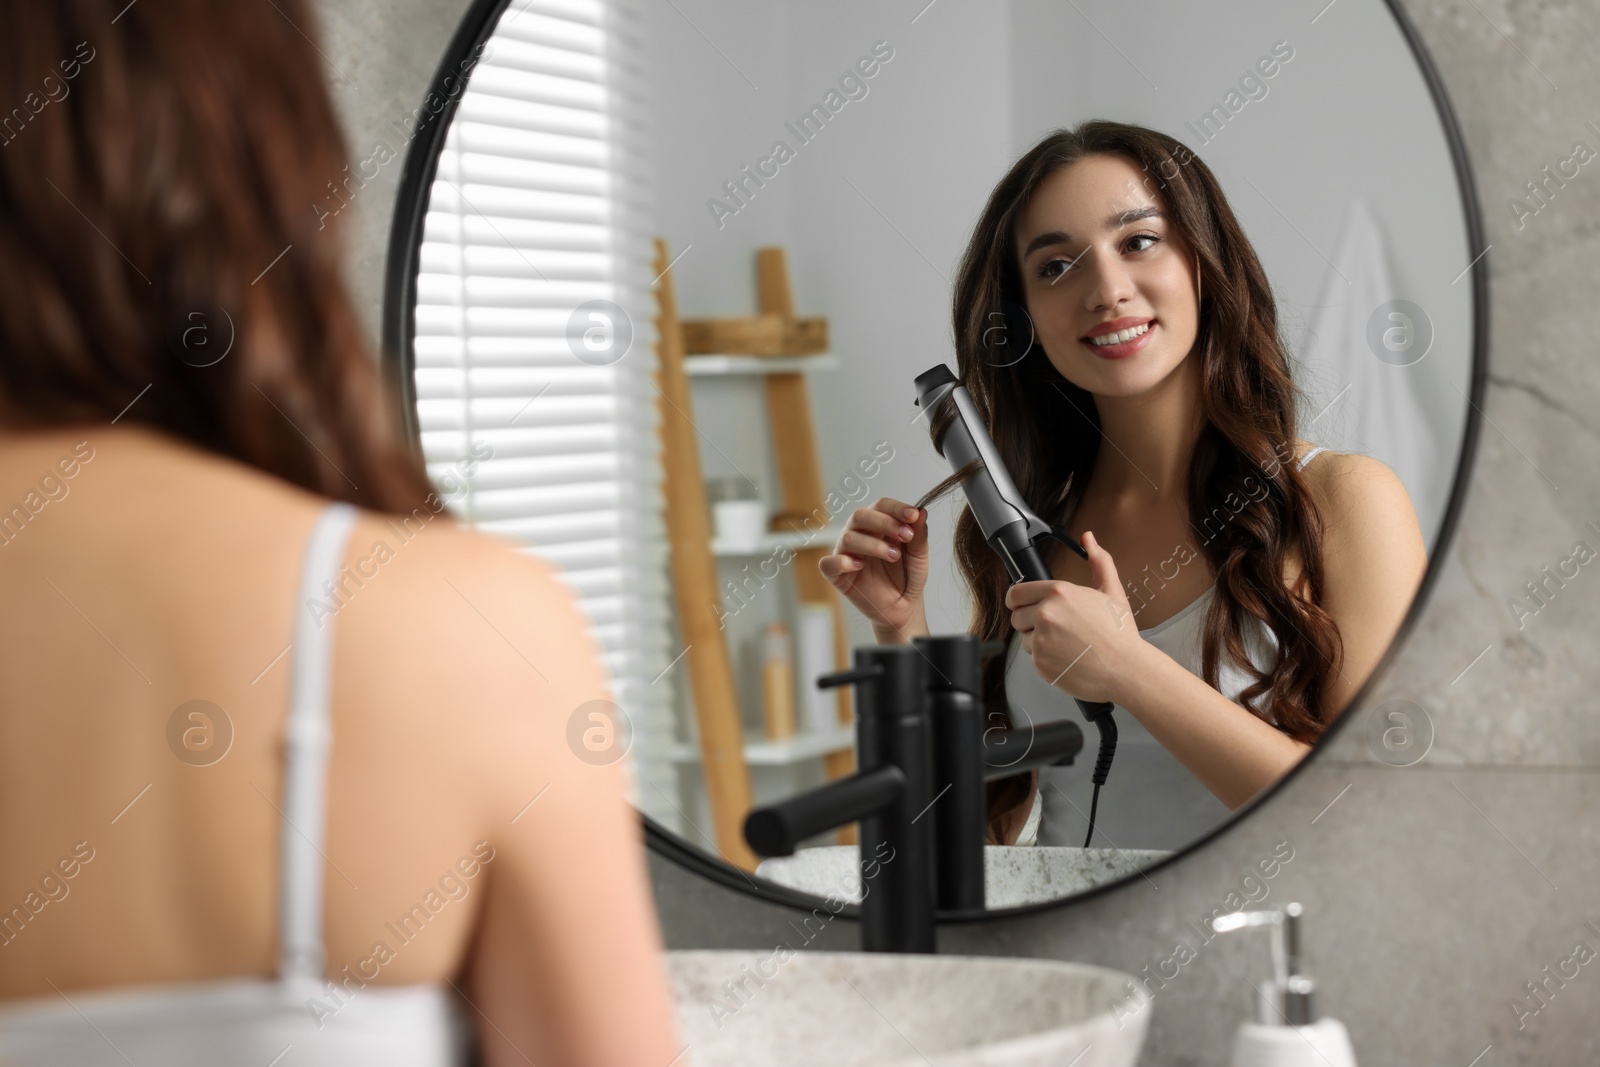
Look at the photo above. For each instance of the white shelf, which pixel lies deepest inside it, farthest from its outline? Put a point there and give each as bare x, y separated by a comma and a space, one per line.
707, 365
826, 537
793, 750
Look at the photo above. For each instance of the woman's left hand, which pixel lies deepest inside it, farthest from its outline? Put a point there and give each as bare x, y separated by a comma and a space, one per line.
1082, 638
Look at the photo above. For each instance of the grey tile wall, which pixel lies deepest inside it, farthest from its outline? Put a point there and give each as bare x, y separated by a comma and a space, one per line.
1434, 891
381, 58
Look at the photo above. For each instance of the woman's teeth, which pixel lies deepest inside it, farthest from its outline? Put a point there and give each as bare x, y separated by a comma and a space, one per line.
1120, 336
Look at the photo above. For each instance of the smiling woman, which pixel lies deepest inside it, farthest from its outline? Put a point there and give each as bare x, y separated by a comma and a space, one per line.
1155, 332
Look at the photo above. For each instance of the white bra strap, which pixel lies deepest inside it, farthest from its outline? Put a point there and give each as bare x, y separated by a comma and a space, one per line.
1308, 457
307, 736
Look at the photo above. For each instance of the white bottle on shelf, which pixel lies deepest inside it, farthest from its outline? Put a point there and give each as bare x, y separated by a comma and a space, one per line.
820, 707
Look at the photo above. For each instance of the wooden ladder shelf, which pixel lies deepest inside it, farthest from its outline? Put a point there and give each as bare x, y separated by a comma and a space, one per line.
774, 332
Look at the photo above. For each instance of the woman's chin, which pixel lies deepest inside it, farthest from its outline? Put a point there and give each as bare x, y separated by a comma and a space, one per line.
1120, 380
1137, 374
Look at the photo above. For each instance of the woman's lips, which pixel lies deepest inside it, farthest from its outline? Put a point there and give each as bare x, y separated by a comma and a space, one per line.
1123, 350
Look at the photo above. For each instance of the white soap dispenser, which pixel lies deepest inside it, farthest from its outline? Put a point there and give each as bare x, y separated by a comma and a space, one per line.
1286, 1031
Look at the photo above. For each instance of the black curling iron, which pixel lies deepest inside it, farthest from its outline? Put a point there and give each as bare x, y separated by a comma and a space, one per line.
1009, 525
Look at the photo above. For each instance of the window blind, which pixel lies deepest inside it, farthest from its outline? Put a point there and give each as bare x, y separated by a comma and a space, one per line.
539, 205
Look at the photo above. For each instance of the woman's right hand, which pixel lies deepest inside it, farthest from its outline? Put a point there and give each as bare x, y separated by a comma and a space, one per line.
880, 564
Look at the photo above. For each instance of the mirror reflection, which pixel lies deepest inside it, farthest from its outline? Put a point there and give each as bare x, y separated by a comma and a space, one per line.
1201, 276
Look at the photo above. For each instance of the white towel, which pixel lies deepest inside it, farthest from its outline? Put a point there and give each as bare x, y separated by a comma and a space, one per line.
1380, 415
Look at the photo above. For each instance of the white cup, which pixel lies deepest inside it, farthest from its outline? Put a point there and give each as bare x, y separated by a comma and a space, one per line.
740, 524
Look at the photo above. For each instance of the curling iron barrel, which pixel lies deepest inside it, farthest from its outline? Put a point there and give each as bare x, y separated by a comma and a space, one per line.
1010, 526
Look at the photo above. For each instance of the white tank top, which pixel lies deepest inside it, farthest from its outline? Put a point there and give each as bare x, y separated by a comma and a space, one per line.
297, 1019
1150, 800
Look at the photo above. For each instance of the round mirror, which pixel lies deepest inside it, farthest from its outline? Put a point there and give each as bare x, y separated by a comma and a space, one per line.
661, 285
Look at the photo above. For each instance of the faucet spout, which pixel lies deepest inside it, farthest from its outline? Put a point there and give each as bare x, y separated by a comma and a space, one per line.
889, 796
777, 829
1045, 744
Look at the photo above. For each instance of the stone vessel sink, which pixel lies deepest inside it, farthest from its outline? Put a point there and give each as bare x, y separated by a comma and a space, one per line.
785, 1008
1013, 876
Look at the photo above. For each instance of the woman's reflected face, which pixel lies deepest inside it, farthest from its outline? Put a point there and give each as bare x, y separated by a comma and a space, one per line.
1096, 248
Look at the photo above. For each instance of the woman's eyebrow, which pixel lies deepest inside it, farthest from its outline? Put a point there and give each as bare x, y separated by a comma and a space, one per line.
1122, 218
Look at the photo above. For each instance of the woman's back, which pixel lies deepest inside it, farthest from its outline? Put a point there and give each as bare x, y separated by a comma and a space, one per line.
175, 301
164, 575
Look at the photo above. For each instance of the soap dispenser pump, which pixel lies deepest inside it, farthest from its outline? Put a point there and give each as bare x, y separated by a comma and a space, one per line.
1287, 1031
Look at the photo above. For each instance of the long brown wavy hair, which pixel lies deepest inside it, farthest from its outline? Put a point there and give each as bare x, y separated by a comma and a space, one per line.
1047, 431
161, 187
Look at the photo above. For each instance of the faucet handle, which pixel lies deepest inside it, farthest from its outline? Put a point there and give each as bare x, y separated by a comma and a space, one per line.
860, 674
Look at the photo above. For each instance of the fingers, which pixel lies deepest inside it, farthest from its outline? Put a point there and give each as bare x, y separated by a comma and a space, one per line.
1022, 594
865, 545
879, 532
1102, 569
897, 509
887, 518
917, 543
833, 567
853, 552
888, 530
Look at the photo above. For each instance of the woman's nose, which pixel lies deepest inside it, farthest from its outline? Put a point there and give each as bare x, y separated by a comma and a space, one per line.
1110, 282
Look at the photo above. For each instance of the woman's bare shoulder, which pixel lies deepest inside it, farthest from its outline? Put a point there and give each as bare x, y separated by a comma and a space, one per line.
467, 631
450, 636
455, 585
1372, 542
1349, 483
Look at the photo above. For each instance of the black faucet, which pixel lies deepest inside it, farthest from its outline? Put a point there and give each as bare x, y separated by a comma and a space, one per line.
923, 756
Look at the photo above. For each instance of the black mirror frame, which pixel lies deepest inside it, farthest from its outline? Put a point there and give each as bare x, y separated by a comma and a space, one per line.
399, 296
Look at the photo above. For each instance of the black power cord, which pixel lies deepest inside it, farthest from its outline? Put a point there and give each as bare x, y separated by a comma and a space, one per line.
1100, 715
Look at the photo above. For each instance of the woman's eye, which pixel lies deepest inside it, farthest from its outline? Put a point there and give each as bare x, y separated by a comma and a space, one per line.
1046, 271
